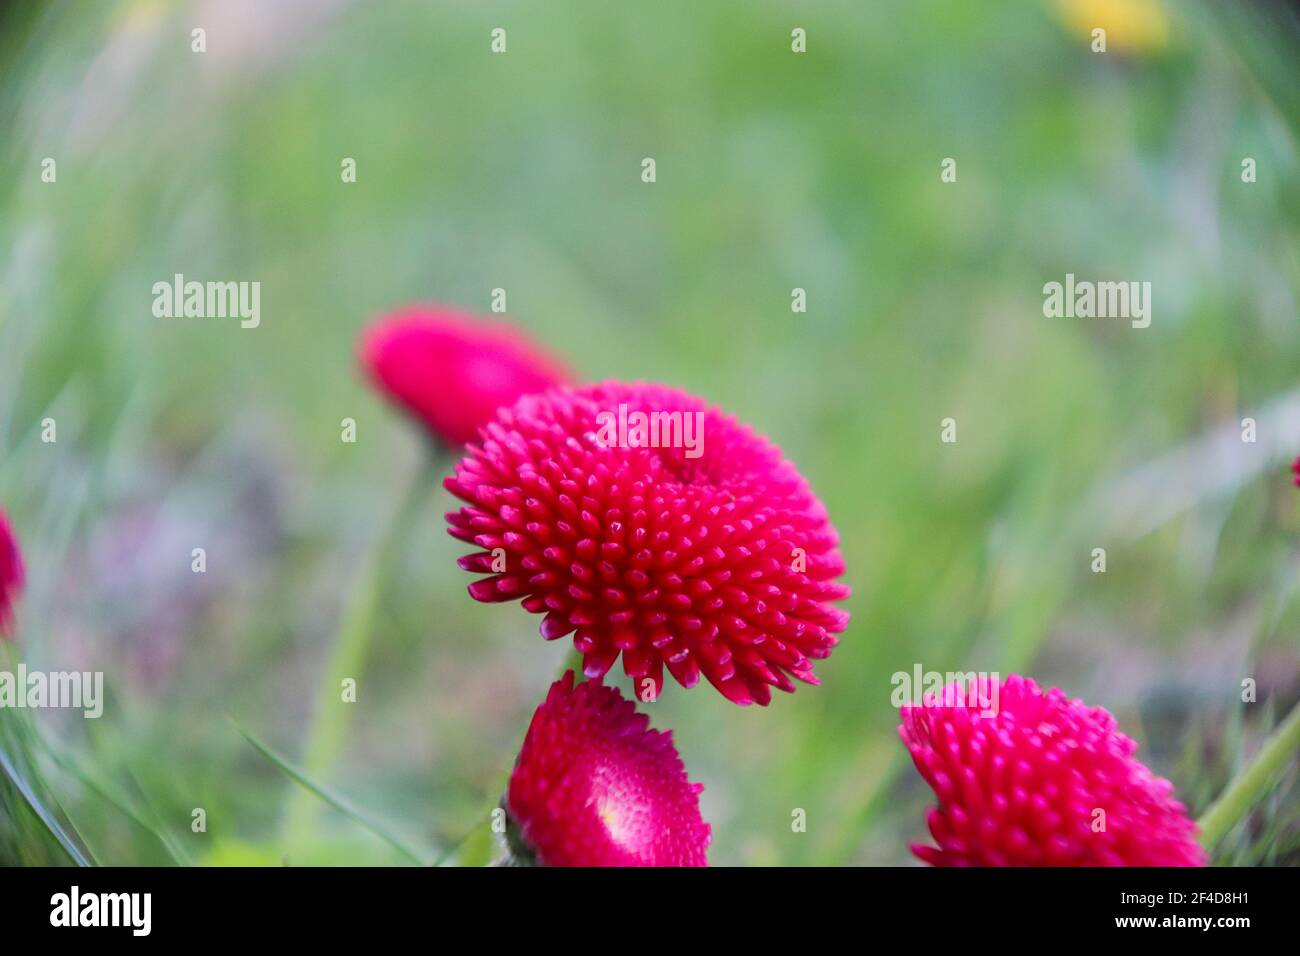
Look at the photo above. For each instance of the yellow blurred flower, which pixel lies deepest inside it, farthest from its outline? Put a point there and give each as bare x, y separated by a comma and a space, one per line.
1132, 26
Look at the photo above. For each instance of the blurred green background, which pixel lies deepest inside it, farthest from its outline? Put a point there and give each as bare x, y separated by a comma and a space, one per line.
775, 170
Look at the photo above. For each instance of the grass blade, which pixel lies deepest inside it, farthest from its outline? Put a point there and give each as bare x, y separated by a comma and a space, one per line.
339, 803
38, 808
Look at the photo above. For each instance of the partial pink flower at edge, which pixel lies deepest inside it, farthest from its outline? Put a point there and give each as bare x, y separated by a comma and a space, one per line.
1032, 778
11, 575
452, 370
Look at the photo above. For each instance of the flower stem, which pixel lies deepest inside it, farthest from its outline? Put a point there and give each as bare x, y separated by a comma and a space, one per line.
348, 658
1249, 785
572, 661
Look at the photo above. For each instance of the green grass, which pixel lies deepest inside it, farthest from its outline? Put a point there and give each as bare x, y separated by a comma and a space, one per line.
522, 172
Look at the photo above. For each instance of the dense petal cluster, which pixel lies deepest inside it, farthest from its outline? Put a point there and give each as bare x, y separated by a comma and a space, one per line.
692, 546
11, 574
451, 370
594, 786
1027, 778
1295, 471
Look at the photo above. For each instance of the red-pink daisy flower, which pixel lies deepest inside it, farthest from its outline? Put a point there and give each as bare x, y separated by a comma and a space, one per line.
453, 371
594, 786
711, 556
11, 574
1027, 778
1295, 470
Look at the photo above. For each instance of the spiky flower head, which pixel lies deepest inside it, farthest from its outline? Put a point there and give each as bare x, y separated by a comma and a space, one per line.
653, 526
1027, 778
594, 786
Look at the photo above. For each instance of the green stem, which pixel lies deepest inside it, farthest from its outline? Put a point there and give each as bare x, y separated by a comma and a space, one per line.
351, 645
1251, 783
572, 662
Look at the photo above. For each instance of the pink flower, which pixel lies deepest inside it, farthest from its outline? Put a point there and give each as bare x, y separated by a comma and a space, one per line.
451, 370
1295, 470
594, 786
708, 555
11, 575
1044, 781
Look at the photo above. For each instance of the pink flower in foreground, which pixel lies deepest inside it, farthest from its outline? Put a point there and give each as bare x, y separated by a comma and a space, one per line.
453, 371
1045, 781
711, 556
594, 786
1295, 470
11, 574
